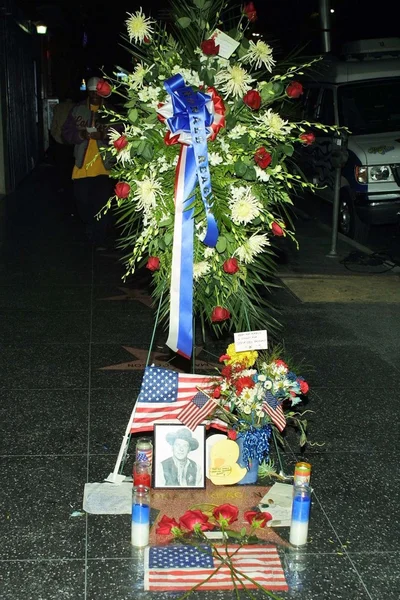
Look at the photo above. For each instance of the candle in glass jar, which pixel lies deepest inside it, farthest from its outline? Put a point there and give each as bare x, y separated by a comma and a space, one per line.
140, 527
300, 515
141, 473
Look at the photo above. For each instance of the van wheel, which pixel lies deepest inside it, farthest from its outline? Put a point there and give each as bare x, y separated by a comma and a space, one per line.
350, 223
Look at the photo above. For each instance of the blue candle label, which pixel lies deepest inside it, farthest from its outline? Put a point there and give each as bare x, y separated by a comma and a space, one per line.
301, 509
141, 513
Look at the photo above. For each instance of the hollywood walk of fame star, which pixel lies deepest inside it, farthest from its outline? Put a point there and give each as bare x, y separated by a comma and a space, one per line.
132, 294
158, 359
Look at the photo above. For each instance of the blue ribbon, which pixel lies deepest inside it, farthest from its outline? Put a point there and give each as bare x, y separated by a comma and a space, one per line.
190, 115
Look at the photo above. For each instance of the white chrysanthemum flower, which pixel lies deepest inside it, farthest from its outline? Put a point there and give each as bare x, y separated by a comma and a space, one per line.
215, 159
209, 252
244, 205
274, 124
139, 26
200, 269
233, 81
253, 246
124, 155
136, 79
237, 132
261, 174
259, 54
147, 192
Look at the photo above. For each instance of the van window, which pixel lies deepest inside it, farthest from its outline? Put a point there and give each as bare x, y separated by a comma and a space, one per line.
370, 107
310, 103
327, 111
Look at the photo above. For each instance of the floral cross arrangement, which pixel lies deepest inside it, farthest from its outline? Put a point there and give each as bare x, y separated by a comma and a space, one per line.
204, 163
191, 529
255, 394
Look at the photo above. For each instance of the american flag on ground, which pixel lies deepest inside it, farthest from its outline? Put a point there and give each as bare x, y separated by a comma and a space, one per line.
196, 410
170, 568
164, 394
274, 410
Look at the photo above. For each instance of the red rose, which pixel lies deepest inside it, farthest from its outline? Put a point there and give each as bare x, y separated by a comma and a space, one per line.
232, 434
304, 387
250, 11
209, 47
231, 266
153, 264
195, 519
277, 229
307, 138
165, 525
217, 393
257, 519
252, 99
224, 357
294, 89
147, 40
220, 314
226, 514
122, 189
103, 88
262, 158
120, 143
243, 383
281, 363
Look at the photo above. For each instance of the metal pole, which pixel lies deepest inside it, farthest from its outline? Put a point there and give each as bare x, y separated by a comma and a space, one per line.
325, 17
336, 200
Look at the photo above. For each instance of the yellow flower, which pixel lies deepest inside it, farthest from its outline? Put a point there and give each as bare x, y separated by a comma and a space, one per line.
247, 358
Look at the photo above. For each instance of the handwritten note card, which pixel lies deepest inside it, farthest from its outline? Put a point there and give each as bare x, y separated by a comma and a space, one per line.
251, 340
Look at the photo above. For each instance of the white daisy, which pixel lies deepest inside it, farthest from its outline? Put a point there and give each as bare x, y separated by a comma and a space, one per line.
274, 124
139, 26
253, 246
147, 192
215, 159
259, 54
244, 205
200, 269
233, 81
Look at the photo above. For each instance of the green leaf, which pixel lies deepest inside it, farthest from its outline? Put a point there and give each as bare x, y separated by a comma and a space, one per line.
221, 244
168, 238
278, 87
165, 222
250, 174
184, 22
199, 3
287, 149
130, 103
240, 168
147, 151
133, 115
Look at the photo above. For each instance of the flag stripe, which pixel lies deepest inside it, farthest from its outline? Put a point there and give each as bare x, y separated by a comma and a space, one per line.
277, 416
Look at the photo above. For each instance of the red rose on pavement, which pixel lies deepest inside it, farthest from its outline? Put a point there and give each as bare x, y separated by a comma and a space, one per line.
120, 143
304, 387
122, 189
220, 314
153, 264
262, 158
242, 383
294, 89
307, 138
165, 525
277, 229
209, 47
103, 88
257, 519
250, 11
195, 519
252, 99
226, 514
231, 266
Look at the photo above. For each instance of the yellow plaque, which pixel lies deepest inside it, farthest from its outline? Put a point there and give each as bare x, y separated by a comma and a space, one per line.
224, 469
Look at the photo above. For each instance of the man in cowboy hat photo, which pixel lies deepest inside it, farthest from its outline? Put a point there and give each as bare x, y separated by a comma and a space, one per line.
179, 470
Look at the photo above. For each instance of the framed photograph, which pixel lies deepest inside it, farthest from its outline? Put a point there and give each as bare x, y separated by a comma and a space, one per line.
179, 456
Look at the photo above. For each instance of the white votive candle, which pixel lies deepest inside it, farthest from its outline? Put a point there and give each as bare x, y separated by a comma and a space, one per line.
300, 515
139, 534
140, 525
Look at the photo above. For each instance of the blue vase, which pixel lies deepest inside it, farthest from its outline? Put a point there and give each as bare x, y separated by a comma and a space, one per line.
252, 472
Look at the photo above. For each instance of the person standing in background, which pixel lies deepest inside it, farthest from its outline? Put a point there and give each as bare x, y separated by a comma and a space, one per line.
63, 152
86, 129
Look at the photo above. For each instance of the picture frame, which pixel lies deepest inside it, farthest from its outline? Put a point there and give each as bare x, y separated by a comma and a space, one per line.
179, 456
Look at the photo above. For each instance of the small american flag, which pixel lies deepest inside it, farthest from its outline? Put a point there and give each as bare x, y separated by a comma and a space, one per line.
163, 395
170, 568
196, 410
274, 410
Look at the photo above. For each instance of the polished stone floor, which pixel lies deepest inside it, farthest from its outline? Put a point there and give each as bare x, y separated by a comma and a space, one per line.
63, 414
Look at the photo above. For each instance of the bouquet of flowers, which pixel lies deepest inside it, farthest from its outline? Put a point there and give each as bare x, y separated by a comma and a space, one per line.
203, 163
229, 561
252, 398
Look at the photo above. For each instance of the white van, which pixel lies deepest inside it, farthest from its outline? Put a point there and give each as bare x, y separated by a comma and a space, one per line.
362, 92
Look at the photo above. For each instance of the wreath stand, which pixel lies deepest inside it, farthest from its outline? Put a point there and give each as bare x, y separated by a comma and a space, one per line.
116, 475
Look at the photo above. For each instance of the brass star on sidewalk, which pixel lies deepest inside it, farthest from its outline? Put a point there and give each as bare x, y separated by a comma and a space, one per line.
132, 294
159, 359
